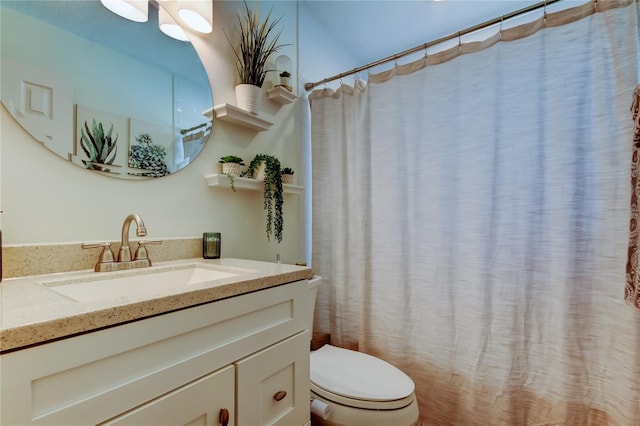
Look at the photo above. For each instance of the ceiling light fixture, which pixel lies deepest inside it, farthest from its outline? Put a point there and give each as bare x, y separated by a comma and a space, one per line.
197, 14
169, 26
134, 10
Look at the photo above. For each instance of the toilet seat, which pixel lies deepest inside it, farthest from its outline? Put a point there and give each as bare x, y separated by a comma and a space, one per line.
356, 379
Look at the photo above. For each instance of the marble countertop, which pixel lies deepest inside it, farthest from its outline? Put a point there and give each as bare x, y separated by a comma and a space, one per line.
33, 312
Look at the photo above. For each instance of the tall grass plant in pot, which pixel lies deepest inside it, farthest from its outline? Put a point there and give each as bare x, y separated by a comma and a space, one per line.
258, 41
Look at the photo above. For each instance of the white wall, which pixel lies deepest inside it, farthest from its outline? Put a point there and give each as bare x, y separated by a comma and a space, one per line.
320, 54
48, 200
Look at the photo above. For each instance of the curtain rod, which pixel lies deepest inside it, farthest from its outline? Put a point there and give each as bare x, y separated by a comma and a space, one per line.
542, 4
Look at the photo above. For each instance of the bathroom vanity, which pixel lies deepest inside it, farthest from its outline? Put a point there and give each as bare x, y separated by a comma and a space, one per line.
228, 351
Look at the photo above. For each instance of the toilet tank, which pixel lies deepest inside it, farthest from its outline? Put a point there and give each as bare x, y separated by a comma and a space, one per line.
310, 302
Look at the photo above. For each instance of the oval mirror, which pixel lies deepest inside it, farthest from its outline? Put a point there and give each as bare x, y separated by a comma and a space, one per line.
111, 95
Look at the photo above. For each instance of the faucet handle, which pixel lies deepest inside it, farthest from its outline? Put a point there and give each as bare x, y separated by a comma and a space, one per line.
141, 251
106, 256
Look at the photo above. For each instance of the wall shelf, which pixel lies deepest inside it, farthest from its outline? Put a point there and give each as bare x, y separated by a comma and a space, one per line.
222, 180
235, 115
281, 95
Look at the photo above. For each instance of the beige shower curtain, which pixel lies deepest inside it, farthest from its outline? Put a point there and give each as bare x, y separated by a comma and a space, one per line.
470, 223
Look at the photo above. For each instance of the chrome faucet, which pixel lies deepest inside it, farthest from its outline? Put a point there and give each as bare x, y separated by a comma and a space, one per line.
107, 262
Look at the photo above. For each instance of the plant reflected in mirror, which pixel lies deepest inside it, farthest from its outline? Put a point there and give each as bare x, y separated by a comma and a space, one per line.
99, 147
80, 63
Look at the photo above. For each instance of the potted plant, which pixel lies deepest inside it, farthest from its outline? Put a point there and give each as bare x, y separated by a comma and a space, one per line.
273, 198
100, 147
285, 79
258, 41
231, 165
287, 175
149, 157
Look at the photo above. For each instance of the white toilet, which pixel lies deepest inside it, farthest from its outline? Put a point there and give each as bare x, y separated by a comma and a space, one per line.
350, 388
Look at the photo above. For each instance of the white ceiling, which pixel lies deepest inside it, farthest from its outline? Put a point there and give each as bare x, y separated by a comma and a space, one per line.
374, 29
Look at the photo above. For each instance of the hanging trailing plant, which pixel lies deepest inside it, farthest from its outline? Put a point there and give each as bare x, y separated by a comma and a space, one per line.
273, 199
232, 181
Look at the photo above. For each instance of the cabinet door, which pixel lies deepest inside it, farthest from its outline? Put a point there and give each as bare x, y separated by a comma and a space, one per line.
208, 401
273, 384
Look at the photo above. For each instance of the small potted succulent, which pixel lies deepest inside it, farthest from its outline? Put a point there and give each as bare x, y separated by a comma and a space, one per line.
100, 147
231, 165
285, 78
287, 175
149, 157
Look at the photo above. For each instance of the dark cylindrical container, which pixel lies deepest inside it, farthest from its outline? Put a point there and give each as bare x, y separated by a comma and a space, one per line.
211, 243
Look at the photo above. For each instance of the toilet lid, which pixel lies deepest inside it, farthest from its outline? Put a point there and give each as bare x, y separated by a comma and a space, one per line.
357, 375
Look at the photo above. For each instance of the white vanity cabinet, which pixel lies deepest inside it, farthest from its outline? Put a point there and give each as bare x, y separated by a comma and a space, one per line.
243, 360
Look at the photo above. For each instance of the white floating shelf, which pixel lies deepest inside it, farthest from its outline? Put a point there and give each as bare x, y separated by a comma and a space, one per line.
235, 115
281, 95
208, 113
222, 180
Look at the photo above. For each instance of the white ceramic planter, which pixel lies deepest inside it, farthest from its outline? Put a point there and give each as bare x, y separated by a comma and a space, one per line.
231, 169
285, 81
260, 172
248, 97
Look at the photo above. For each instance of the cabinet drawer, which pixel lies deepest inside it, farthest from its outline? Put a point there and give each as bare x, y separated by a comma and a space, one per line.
273, 384
200, 403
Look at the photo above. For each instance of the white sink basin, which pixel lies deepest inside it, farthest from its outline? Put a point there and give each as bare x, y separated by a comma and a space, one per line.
140, 282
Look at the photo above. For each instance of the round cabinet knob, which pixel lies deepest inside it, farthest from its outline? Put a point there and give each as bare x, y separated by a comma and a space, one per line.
279, 396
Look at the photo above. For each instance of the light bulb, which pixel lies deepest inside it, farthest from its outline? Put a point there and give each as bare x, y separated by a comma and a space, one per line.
197, 14
169, 26
134, 10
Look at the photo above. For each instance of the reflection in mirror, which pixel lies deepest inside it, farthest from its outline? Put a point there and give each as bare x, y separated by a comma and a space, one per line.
105, 93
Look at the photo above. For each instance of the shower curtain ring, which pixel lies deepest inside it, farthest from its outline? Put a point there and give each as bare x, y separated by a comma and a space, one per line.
459, 41
545, 13
501, 22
